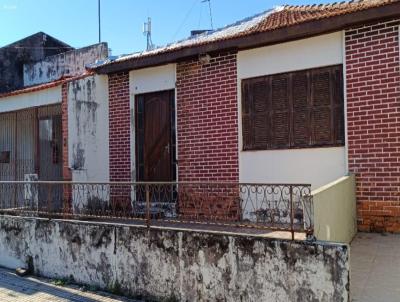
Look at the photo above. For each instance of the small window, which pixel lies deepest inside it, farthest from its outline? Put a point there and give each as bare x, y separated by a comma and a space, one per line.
5, 157
294, 110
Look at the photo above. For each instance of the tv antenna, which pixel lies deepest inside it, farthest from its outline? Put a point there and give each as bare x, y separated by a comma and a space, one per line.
210, 11
147, 33
99, 17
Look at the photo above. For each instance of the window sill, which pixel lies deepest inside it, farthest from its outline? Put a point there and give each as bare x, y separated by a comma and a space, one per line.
294, 148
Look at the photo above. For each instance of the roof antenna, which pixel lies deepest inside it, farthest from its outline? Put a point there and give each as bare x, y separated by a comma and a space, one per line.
147, 33
98, 11
209, 7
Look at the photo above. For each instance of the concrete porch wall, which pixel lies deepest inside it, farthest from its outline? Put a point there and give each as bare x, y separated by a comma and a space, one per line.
335, 215
180, 265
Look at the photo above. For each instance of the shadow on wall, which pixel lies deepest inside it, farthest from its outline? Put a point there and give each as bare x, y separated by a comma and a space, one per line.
335, 214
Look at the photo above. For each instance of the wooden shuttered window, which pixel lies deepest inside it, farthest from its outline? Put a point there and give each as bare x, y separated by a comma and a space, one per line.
293, 110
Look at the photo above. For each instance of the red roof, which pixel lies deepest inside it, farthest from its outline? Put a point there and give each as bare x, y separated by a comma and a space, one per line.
43, 86
292, 15
278, 18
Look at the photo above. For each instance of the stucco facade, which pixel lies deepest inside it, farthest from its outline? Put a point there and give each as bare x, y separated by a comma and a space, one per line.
88, 134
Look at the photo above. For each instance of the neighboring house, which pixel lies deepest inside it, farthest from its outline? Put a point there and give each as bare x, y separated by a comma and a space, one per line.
35, 134
297, 94
30, 49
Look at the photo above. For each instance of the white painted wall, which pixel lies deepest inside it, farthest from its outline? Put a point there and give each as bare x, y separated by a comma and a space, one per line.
31, 99
148, 80
317, 166
152, 79
313, 52
88, 134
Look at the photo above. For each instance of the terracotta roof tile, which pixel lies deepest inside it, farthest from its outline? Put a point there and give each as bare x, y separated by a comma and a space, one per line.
280, 17
44, 86
292, 15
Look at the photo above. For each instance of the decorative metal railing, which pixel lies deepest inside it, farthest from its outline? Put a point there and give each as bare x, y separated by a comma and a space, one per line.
285, 207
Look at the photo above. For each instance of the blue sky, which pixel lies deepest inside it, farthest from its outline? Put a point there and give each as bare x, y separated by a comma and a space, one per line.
75, 21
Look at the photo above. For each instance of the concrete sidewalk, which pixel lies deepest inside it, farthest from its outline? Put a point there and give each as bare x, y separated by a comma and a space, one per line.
375, 268
17, 289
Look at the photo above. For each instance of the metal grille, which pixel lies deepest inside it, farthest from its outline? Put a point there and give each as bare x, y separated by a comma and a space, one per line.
29, 141
286, 207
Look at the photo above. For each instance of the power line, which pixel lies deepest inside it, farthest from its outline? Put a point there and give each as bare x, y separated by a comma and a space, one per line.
184, 19
209, 8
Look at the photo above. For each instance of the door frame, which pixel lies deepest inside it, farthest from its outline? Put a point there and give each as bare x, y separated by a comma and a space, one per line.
173, 135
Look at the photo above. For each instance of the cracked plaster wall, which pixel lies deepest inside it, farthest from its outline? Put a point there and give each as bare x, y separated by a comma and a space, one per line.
177, 265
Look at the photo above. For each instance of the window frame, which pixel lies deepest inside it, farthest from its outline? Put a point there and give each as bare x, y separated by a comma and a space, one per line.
336, 110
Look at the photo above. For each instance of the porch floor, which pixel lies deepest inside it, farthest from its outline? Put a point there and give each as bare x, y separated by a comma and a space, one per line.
375, 268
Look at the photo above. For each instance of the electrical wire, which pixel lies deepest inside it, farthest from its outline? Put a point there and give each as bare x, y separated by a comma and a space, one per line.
184, 19
210, 11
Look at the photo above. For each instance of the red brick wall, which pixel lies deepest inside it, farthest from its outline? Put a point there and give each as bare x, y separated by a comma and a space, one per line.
67, 176
208, 120
119, 119
373, 104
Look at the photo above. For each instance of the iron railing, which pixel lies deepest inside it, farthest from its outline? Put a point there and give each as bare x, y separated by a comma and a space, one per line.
284, 207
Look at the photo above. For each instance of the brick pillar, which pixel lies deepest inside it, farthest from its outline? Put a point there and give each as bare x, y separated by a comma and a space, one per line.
66, 172
119, 122
373, 105
120, 150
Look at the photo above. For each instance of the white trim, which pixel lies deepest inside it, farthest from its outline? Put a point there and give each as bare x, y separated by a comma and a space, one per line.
176, 128
320, 51
152, 79
132, 137
346, 136
43, 97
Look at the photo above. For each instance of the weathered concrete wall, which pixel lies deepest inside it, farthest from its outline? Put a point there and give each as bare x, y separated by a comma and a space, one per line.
88, 139
70, 63
27, 50
177, 265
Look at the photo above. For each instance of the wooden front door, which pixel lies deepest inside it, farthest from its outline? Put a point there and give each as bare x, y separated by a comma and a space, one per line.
155, 136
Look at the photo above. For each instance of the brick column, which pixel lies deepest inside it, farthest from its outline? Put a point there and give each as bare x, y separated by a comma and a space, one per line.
120, 140
119, 122
373, 105
66, 172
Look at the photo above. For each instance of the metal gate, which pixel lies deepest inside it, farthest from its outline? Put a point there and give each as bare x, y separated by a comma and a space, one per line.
31, 148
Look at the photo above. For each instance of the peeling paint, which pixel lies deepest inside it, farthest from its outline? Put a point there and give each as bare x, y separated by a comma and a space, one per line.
88, 128
182, 265
71, 63
30, 49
